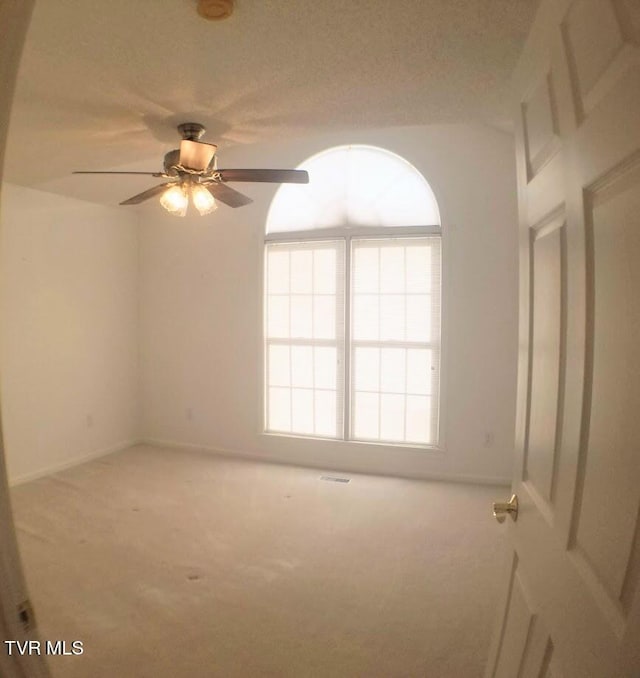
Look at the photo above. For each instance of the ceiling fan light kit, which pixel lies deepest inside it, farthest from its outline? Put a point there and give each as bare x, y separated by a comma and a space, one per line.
192, 172
175, 201
202, 200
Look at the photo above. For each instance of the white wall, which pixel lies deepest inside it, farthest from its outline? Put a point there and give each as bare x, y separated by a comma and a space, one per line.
201, 312
69, 335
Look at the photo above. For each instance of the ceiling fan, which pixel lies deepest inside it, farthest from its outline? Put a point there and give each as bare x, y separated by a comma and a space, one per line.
191, 172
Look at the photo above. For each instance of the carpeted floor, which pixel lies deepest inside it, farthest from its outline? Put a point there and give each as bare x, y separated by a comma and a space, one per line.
170, 564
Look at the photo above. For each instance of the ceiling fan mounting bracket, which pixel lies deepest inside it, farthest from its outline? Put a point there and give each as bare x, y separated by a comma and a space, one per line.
215, 10
191, 131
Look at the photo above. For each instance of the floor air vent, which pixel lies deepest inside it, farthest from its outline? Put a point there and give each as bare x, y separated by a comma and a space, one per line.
335, 479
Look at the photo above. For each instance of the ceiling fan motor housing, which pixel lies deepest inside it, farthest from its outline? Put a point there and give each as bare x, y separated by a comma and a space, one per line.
191, 131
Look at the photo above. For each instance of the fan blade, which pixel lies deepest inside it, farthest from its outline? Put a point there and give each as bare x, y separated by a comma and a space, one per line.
276, 176
149, 174
227, 195
196, 155
145, 195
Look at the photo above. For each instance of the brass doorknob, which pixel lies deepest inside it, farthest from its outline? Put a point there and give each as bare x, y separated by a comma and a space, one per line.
503, 509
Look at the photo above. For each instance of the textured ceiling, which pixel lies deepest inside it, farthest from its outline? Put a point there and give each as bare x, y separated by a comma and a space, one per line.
103, 83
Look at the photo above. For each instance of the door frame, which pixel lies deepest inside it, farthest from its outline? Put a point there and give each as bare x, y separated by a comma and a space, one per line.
17, 621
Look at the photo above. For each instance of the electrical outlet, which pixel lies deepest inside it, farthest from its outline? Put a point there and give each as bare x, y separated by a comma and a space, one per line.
489, 439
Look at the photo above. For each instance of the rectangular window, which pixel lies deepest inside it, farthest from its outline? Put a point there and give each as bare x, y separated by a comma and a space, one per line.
373, 376
304, 332
395, 340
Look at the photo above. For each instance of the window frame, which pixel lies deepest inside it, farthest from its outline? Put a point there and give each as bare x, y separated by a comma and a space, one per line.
349, 233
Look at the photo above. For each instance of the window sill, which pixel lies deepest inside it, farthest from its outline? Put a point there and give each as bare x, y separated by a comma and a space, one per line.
410, 447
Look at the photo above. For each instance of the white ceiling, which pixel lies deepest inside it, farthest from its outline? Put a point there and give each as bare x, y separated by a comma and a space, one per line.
103, 83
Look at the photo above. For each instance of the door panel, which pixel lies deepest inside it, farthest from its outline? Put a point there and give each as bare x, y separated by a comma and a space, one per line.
526, 649
573, 580
547, 257
517, 630
600, 38
539, 660
611, 477
540, 122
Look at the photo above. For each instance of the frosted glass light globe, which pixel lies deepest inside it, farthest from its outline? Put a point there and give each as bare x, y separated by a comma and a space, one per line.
175, 201
202, 200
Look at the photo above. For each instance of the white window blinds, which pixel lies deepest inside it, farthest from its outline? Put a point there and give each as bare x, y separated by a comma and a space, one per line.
304, 338
395, 340
373, 376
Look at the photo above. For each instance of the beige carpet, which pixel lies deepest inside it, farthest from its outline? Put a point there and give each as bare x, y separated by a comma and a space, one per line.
169, 564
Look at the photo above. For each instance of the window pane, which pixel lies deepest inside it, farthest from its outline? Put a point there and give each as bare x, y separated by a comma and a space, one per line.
366, 407
280, 409
392, 417
392, 269
277, 272
325, 367
355, 184
301, 316
366, 369
325, 413
366, 270
278, 317
399, 204
392, 317
418, 419
392, 370
301, 410
324, 317
301, 272
366, 319
305, 334
324, 271
278, 366
398, 360
419, 371
418, 269
419, 317
302, 366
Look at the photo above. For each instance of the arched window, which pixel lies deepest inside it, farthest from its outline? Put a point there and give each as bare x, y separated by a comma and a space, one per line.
352, 301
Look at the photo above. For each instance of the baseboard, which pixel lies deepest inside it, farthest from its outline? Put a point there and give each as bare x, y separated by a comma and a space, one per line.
236, 454
75, 461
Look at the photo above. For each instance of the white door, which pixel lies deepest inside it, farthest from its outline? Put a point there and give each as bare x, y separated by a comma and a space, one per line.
571, 605
16, 617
